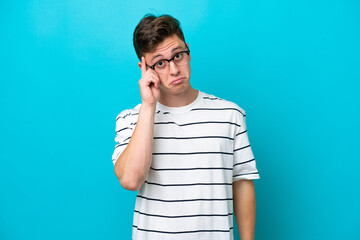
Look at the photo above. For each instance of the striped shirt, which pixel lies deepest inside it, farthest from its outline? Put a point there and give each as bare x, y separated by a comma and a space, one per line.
199, 150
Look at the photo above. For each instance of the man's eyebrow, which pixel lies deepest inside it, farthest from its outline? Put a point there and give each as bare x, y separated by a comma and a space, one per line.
157, 55
174, 49
160, 55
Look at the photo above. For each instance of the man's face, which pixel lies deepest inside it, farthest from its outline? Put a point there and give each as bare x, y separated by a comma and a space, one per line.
166, 50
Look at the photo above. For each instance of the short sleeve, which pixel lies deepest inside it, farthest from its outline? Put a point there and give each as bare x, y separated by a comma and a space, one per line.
125, 125
244, 165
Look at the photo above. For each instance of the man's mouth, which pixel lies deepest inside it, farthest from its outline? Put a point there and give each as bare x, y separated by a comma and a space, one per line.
177, 81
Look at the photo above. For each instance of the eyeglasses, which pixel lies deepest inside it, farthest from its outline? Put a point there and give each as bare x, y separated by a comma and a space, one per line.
180, 58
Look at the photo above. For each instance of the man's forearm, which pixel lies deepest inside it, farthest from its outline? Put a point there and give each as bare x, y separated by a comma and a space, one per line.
134, 163
245, 208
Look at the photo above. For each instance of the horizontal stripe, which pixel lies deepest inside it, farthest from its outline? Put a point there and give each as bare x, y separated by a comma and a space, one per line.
194, 137
245, 162
245, 174
185, 200
217, 109
129, 114
185, 216
126, 139
242, 148
210, 98
194, 231
188, 169
188, 184
240, 133
193, 123
123, 129
191, 153
118, 145
176, 138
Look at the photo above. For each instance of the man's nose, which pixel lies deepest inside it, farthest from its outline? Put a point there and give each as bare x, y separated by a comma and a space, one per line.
174, 69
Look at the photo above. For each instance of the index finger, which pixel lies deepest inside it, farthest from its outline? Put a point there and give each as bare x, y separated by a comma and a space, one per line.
143, 65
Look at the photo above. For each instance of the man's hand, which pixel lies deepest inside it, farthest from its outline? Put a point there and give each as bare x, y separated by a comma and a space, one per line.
149, 84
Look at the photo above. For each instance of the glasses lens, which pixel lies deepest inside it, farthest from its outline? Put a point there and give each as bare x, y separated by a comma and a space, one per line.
181, 58
161, 65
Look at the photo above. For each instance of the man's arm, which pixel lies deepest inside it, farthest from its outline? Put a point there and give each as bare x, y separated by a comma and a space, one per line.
133, 164
245, 208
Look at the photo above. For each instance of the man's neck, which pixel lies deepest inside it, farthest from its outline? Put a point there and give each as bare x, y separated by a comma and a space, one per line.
179, 100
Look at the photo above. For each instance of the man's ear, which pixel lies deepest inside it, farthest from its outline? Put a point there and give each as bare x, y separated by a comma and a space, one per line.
139, 64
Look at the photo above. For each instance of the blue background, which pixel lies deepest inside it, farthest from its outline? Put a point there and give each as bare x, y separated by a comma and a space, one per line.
67, 68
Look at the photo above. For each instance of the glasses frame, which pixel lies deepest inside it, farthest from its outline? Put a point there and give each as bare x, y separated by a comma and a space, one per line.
168, 60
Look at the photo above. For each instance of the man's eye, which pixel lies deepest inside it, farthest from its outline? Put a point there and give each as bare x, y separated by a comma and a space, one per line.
178, 56
160, 64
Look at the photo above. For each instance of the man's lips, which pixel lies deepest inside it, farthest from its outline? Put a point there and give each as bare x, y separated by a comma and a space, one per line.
177, 81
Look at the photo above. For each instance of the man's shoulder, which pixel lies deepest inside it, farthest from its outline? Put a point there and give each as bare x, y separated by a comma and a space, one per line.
213, 101
129, 113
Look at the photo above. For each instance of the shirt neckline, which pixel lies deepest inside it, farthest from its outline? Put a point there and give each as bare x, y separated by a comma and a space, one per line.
181, 109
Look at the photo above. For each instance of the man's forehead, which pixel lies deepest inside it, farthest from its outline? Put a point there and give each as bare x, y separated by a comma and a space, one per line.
166, 47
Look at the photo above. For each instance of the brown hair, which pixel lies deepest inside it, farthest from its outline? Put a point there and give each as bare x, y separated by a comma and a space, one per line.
152, 30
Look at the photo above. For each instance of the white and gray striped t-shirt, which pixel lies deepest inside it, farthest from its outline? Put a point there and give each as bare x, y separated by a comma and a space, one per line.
199, 150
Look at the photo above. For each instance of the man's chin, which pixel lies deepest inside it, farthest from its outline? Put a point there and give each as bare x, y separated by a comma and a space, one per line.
177, 89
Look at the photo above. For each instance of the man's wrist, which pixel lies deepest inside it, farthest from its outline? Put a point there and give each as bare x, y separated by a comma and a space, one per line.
146, 107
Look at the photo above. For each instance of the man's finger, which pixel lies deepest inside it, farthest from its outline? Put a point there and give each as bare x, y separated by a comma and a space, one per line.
143, 65
156, 81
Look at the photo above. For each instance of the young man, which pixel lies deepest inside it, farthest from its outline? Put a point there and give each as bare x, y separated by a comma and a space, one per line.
186, 152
